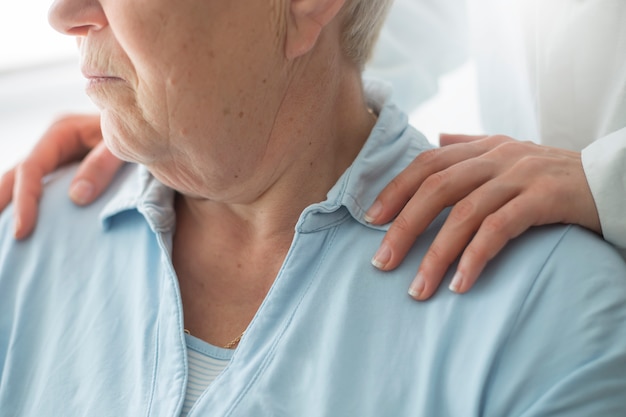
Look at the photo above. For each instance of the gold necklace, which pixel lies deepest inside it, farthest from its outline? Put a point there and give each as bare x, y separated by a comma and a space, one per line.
230, 345
233, 343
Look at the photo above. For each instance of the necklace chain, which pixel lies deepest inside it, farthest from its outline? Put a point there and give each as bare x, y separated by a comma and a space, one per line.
233, 343
230, 345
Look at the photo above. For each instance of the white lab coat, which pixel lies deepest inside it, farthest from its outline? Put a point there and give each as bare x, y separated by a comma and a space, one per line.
549, 71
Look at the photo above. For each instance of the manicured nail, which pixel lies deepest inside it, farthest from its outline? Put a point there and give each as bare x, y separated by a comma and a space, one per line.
417, 286
382, 257
81, 192
457, 281
373, 212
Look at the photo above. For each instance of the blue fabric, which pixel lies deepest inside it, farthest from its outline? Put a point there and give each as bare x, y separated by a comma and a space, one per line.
91, 317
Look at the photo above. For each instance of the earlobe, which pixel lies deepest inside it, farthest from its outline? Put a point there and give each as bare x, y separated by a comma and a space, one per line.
306, 20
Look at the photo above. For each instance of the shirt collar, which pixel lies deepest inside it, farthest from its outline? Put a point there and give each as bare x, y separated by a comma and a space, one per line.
392, 145
140, 191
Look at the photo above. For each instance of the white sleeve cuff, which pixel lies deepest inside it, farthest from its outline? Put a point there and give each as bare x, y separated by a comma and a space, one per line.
604, 162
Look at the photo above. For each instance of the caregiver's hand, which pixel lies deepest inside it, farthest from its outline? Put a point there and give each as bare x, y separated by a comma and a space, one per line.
499, 188
70, 138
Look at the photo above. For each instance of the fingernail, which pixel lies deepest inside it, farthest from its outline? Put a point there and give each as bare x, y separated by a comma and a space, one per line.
81, 192
373, 212
417, 286
382, 257
457, 281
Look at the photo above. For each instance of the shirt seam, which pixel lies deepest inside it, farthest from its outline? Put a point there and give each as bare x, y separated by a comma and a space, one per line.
154, 372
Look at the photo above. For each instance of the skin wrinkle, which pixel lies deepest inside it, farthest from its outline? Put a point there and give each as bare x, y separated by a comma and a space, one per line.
301, 62
274, 122
278, 19
169, 86
172, 109
139, 87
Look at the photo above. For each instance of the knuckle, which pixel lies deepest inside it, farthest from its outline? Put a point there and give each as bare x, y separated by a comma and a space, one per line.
439, 257
496, 223
398, 186
28, 177
515, 148
507, 148
463, 211
396, 194
99, 160
529, 164
498, 140
435, 257
477, 253
401, 225
428, 157
439, 181
28, 169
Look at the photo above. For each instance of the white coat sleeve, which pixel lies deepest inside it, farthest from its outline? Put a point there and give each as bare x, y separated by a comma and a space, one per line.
604, 162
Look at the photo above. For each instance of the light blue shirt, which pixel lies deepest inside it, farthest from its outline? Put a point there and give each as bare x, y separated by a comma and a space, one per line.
91, 317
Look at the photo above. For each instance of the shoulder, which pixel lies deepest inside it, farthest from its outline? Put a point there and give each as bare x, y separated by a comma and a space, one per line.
60, 223
568, 327
53, 208
569, 262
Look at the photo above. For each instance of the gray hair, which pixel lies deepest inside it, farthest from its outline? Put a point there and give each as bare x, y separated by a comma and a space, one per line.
363, 20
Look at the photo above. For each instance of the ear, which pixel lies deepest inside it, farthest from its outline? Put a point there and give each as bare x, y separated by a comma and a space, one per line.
307, 19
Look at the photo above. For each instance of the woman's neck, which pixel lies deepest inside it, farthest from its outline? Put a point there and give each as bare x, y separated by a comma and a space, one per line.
313, 143
230, 250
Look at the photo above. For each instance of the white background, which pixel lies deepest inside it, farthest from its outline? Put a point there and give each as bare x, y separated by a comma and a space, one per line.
40, 80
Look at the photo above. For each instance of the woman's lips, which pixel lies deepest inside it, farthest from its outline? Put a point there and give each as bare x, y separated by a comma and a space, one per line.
102, 79
95, 81
98, 77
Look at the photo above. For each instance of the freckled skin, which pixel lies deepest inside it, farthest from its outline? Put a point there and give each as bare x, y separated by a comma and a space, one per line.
164, 115
207, 103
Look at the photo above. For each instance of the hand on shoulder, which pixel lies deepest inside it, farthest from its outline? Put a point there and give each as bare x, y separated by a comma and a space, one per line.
498, 187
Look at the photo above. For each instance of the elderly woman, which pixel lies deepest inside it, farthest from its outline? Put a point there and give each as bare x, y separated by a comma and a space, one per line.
225, 275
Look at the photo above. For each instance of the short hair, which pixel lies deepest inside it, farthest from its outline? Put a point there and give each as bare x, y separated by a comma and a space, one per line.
363, 20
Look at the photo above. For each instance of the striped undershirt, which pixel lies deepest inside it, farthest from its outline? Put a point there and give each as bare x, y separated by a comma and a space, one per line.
205, 363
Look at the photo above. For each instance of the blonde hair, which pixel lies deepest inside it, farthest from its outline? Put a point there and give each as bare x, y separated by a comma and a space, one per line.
363, 20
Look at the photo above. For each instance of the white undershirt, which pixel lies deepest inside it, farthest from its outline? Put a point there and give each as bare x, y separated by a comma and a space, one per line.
205, 363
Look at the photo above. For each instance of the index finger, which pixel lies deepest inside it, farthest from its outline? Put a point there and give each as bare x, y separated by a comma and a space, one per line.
394, 197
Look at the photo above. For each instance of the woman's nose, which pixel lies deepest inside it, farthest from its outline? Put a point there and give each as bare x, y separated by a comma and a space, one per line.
76, 17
